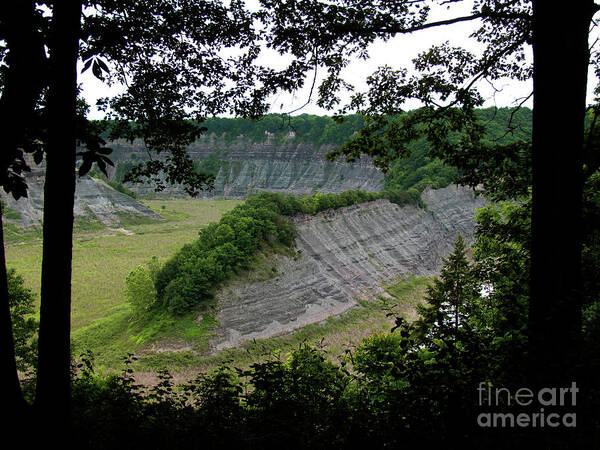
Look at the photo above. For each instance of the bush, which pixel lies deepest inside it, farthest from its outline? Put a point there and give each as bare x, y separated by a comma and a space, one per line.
25, 326
140, 292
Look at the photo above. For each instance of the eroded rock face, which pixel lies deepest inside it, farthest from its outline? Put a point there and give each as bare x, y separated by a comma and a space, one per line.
290, 167
94, 200
345, 255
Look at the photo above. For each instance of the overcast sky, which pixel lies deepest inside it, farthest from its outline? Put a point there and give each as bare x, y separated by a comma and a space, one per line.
397, 52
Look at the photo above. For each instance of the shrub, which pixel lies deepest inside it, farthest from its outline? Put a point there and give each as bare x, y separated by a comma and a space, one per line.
140, 292
25, 326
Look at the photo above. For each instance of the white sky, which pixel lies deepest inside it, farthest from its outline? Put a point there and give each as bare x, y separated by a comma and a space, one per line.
397, 52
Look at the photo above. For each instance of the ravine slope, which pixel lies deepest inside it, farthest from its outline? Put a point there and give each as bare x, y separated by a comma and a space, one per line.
344, 255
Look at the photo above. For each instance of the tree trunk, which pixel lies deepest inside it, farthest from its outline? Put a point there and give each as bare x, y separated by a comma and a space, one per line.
53, 381
21, 91
560, 53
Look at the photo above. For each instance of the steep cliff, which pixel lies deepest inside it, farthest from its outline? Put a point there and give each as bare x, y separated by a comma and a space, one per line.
342, 255
287, 154
243, 166
94, 201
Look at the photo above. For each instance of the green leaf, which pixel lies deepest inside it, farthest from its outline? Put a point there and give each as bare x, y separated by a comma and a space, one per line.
85, 167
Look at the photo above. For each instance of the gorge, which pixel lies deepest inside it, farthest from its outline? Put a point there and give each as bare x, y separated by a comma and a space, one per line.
344, 255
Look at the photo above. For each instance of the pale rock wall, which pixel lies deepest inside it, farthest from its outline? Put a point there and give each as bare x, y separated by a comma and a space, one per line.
345, 255
290, 167
93, 200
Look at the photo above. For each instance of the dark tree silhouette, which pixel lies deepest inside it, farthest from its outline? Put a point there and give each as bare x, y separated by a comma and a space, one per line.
21, 90
446, 85
168, 55
559, 78
54, 356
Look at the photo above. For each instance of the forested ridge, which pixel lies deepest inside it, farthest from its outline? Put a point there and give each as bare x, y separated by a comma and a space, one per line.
319, 130
416, 171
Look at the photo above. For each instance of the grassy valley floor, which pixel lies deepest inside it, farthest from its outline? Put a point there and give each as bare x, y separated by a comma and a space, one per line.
103, 257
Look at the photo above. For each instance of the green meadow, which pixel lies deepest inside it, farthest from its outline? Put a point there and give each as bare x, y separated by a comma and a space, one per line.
102, 257
101, 317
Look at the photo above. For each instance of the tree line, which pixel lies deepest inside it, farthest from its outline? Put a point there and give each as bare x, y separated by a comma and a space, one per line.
192, 275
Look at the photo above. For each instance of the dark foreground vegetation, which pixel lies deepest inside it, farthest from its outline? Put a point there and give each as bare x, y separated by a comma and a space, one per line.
415, 386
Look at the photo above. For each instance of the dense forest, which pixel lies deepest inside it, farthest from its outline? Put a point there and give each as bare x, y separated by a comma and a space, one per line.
502, 124
420, 170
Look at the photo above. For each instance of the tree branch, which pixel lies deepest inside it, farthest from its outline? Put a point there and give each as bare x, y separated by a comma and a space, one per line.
402, 30
405, 30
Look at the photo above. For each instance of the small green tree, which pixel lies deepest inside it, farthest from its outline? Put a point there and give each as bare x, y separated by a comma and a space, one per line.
451, 297
25, 326
140, 292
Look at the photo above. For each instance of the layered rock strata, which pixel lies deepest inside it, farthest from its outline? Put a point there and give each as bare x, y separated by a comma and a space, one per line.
290, 167
343, 255
94, 200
